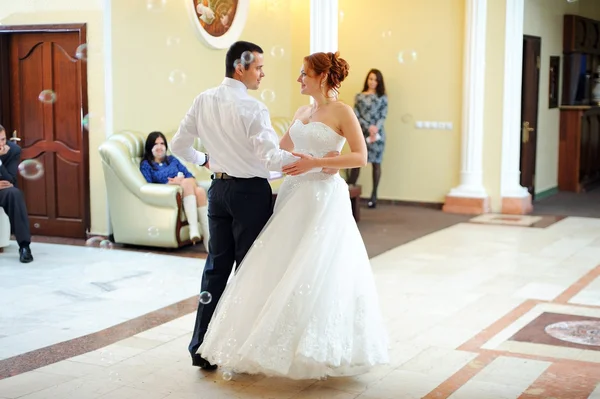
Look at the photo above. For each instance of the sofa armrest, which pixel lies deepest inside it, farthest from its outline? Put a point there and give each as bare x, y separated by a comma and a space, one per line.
116, 156
160, 195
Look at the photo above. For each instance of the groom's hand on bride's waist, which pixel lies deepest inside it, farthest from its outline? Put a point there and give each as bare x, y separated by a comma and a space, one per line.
306, 163
331, 171
301, 166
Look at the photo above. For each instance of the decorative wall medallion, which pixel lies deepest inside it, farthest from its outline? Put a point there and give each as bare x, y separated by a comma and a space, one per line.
219, 23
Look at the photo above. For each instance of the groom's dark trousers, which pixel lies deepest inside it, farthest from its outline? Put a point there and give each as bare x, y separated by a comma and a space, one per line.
238, 209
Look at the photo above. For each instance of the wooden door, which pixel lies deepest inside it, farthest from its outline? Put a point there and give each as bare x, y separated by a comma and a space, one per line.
529, 110
51, 130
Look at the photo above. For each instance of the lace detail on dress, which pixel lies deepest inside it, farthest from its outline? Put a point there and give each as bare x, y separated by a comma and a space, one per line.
315, 138
292, 183
337, 344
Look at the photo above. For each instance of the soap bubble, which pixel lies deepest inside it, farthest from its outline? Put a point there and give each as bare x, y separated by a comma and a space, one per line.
277, 51
205, 297
407, 56
177, 77
82, 52
407, 118
85, 122
247, 57
106, 244
156, 5
173, 41
267, 95
47, 97
304, 289
95, 242
31, 169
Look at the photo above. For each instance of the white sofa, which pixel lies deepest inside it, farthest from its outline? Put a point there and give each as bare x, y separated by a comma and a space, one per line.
4, 230
142, 213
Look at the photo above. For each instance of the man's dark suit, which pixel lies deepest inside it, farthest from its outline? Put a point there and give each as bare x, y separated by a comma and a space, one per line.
12, 199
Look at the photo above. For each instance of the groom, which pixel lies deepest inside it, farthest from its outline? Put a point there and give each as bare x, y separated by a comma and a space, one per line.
236, 130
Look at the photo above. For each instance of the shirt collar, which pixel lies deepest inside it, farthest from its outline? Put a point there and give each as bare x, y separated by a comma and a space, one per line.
236, 84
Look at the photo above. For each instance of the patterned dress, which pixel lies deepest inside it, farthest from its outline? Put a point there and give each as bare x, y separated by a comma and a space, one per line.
372, 110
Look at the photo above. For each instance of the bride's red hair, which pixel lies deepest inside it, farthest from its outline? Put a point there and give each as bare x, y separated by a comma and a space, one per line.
335, 67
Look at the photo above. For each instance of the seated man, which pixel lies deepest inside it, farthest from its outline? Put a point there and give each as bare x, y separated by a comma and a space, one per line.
11, 198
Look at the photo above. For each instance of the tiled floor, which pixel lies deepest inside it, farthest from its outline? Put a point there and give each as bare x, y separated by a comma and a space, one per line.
72, 291
383, 228
583, 204
474, 311
512, 220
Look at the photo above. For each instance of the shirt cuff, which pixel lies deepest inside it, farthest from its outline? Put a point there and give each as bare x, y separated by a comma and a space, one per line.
288, 158
200, 158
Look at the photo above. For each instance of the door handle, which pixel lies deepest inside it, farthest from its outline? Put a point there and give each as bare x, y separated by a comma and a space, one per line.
15, 137
525, 132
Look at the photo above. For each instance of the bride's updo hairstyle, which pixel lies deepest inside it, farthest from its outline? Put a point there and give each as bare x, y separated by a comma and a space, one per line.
335, 67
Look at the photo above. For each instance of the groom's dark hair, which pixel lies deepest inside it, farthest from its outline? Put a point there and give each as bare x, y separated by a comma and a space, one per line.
235, 53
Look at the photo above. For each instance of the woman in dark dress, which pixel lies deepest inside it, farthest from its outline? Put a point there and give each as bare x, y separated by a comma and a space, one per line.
371, 108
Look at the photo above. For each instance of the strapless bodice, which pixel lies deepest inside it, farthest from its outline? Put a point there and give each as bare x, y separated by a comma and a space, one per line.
315, 138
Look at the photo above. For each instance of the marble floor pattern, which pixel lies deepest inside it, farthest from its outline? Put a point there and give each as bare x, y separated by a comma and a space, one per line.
474, 311
72, 291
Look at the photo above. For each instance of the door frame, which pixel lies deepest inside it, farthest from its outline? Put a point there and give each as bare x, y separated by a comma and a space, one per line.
5, 96
534, 133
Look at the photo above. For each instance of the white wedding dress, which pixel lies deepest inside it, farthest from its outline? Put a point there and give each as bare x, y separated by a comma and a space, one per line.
303, 304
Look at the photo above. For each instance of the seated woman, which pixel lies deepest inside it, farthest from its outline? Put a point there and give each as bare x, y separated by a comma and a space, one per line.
159, 168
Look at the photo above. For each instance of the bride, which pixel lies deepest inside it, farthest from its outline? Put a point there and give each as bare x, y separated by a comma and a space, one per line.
303, 304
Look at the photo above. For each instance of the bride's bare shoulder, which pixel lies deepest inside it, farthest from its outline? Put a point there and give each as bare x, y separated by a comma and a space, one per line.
302, 110
342, 108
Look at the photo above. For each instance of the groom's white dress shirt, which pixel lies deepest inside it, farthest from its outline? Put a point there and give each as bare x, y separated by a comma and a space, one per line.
235, 129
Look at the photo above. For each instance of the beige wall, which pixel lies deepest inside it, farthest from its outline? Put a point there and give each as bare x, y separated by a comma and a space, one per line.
91, 12
147, 47
419, 165
300, 25
544, 18
145, 99
143, 60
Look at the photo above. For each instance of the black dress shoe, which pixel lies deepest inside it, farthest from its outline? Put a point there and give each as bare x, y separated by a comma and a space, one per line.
25, 255
201, 362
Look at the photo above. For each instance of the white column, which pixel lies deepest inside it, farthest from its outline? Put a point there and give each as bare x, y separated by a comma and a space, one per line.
108, 68
510, 186
108, 85
471, 175
323, 25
